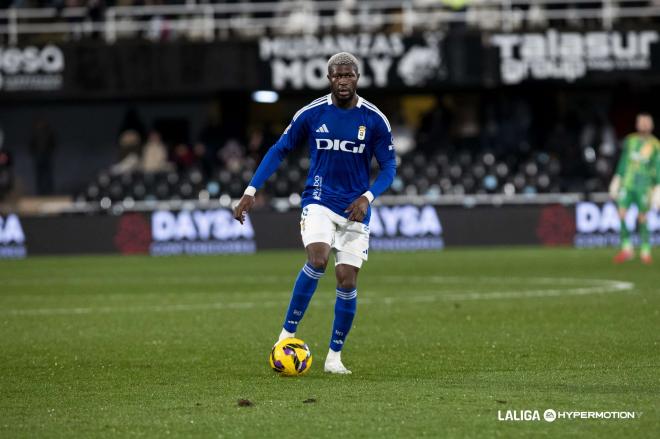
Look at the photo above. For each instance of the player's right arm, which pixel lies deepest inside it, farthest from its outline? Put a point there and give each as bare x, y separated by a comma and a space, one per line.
615, 184
293, 134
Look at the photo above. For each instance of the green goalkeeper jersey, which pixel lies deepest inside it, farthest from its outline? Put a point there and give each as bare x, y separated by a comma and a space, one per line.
639, 166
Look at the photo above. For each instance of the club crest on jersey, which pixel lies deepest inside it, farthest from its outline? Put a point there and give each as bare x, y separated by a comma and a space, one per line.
340, 145
362, 131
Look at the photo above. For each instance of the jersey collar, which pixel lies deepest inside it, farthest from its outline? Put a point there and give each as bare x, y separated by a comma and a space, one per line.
358, 105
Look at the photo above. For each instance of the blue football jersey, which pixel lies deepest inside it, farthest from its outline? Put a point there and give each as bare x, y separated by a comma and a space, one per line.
341, 145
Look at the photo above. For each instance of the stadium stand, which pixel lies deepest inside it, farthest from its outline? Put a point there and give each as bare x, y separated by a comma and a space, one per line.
203, 20
448, 171
507, 153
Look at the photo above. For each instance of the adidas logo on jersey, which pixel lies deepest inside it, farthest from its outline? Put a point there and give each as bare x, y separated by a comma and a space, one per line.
340, 145
322, 129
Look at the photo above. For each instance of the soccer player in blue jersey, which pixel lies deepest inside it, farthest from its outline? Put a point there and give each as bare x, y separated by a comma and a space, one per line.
343, 132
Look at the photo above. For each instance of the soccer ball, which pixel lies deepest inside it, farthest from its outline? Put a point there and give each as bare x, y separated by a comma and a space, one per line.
290, 357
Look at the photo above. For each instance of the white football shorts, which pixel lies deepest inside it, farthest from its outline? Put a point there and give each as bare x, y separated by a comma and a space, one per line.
349, 239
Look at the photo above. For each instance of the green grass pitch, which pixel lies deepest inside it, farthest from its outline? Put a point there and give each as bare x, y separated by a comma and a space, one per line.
443, 344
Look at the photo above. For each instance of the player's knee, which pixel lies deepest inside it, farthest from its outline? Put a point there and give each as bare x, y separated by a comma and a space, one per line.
347, 284
318, 261
642, 218
346, 276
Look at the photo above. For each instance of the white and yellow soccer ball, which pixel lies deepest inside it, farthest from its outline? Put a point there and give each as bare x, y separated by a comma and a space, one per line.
290, 357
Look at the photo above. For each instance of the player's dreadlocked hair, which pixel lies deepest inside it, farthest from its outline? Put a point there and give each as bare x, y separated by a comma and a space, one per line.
343, 58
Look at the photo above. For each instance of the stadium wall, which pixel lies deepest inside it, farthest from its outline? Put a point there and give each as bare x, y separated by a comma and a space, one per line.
393, 228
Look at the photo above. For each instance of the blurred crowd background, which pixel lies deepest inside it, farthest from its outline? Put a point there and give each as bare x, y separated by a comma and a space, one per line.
464, 143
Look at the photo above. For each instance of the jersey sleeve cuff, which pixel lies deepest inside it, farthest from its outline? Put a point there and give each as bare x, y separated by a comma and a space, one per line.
369, 196
250, 190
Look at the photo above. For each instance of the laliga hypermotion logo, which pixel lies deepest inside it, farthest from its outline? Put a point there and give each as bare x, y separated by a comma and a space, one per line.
551, 415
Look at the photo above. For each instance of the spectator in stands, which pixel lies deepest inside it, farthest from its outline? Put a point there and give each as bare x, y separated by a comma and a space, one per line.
258, 144
132, 121
129, 153
95, 14
95, 9
183, 157
154, 154
232, 155
511, 127
298, 16
405, 137
212, 133
42, 148
564, 143
344, 18
203, 160
433, 133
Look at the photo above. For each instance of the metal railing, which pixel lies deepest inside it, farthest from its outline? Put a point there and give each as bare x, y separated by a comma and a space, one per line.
249, 20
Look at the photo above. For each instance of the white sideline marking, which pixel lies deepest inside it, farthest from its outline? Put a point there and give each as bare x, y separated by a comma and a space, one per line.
584, 287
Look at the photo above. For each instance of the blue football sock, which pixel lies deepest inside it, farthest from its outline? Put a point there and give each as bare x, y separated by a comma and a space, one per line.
345, 308
303, 290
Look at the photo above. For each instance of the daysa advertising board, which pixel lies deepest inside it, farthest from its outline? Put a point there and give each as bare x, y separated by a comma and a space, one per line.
199, 232
158, 233
598, 225
405, 228
392, 228
12, 237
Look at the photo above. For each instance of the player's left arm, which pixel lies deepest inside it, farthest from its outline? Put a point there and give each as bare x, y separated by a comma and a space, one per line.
655, 196
386, 157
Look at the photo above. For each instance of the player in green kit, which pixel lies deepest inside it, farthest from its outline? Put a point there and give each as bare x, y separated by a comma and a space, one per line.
637, 181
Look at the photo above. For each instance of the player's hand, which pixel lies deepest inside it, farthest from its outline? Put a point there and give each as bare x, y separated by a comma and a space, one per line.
615, 186
655, 197
357, 210
243, 207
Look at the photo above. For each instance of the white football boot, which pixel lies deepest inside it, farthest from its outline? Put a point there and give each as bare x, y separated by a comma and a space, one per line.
333, 363
285, 334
